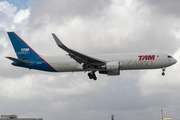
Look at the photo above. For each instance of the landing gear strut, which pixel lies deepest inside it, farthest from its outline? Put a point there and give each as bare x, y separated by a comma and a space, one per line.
163, 71
92, 75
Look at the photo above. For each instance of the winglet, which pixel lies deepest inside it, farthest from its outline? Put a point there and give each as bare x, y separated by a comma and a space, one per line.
58, 42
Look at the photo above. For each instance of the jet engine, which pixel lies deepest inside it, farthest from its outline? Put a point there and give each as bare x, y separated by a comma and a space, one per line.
111, 68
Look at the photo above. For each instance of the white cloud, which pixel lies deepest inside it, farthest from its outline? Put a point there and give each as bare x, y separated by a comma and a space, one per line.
7, 12
21, 15
7, 9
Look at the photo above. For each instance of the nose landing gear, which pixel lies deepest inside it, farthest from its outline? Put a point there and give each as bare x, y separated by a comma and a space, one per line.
92, 75
163, 71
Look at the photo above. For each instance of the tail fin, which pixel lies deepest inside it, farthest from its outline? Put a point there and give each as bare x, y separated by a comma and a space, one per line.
23, 51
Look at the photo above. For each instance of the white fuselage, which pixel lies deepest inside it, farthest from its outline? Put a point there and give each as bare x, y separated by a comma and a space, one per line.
109, 64
128, 61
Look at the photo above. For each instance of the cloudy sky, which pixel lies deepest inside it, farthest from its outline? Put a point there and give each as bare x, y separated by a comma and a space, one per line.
91, 26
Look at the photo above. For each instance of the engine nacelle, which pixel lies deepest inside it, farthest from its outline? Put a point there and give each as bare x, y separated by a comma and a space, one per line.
112, 68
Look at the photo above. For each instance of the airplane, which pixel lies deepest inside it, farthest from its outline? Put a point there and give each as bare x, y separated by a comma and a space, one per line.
109, 64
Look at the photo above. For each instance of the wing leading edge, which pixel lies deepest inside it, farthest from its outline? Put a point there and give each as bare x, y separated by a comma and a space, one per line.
77, 56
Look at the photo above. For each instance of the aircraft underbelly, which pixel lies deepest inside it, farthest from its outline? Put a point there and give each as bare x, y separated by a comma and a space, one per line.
67, 68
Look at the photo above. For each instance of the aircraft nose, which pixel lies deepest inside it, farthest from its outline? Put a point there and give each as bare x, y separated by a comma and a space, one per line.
174, 61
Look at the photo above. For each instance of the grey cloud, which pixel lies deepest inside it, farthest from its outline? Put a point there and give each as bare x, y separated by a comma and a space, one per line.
99, 104
139, 31
156, 38
1, 48
59, 11
163, 7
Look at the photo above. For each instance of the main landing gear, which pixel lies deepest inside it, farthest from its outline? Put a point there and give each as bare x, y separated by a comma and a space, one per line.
92, 75
163, 71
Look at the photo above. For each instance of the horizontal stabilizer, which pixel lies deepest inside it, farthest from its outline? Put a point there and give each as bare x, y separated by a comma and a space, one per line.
19, 60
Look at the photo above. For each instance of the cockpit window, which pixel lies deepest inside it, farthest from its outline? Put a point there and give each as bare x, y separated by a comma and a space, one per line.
170, 56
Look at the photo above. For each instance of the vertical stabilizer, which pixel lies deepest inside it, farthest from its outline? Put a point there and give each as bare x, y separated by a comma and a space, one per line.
23, 51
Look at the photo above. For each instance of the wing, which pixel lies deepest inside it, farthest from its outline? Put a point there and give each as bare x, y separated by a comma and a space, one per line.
77, 56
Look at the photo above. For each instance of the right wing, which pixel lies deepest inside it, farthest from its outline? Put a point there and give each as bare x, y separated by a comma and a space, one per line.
77, 56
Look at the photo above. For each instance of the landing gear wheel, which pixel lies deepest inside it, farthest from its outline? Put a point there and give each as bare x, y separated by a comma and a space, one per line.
163, 74
92, 75
163, 71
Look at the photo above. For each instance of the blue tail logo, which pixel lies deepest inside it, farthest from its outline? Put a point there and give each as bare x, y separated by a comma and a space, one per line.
23, 51
27, 57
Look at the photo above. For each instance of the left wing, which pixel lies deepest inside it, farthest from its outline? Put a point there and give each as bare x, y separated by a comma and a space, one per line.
79, 57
